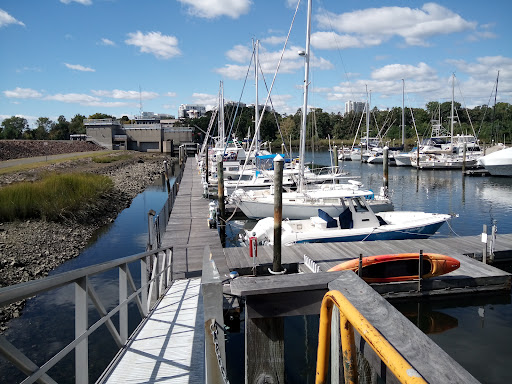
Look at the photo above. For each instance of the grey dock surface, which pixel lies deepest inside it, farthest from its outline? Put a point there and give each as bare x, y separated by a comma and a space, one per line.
169, 346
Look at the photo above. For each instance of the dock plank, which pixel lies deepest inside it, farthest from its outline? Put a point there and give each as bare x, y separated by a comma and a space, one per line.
170, 345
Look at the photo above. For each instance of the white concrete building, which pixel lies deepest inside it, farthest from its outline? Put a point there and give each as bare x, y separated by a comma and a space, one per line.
354, 106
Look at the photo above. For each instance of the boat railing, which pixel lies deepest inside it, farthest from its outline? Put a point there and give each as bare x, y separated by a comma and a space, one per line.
155, 276
350, 319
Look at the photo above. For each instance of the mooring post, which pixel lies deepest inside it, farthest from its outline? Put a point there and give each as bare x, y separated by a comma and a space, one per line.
464, 160
220, 195
420, 269
418, 155
278, 211
386, 170
151, 214
206, 170
335, 154
360, 267
492, 242
167, 177
484, 240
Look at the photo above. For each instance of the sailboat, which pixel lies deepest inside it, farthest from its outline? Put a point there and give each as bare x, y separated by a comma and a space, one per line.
452, 154
300, 203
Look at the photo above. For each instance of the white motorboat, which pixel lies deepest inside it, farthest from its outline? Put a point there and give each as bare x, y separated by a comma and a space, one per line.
498, 163
258, 204
357, 222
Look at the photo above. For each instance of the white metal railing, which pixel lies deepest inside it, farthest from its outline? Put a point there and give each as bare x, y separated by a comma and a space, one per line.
155, 278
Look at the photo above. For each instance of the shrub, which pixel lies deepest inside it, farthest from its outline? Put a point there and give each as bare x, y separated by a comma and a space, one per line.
53, 197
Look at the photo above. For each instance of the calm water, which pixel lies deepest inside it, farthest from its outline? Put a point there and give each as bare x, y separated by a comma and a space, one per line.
47, 322
475, 331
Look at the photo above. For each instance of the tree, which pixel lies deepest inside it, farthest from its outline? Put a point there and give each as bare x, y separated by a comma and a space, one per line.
44, 126
13, 127
60, 131
76, 126
101, 116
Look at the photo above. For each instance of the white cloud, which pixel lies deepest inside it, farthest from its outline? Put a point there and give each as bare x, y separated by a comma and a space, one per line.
79, 98
105, 41
6, 19
83, 2
210, 9
23, 93
162, 46
170, 94
28, 69
78, 67
268, 61
127, 95
274, 40
404, 71
209, 101
87, 100
485, 67
415, 26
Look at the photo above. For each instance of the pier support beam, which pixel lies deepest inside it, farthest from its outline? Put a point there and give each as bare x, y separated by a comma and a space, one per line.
335, 154
264, 350
278, 212
385, 163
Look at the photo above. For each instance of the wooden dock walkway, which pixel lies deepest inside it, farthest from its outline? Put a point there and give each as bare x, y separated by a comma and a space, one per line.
169, 346
472, 275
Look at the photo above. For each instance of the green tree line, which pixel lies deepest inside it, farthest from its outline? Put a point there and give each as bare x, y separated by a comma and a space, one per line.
488, 123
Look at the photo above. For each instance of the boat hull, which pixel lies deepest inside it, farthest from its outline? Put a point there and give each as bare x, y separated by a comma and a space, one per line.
420, 232
400, 267
259, 210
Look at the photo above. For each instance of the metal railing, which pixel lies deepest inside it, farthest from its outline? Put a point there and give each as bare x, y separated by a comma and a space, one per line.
155, 278
351, 318
158, 223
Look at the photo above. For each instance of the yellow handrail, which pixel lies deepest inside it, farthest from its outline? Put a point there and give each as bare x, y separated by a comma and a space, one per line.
351, 318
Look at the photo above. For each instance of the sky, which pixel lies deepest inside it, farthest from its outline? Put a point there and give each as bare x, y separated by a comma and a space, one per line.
68, 57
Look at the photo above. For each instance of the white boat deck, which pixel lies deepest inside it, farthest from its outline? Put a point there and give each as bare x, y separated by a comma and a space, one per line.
169, 347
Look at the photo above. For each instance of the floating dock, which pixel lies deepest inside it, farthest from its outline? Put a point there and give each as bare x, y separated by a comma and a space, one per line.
269, 298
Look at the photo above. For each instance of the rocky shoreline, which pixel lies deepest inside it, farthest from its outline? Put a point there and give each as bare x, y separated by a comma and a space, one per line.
31, 249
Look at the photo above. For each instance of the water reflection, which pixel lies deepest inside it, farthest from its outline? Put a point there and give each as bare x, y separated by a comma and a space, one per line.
47, 323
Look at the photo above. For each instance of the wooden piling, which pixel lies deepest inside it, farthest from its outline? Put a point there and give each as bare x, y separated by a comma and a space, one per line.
385, 169
464, 160
484, 240
168, 183
278, 211
220, 194
335, 154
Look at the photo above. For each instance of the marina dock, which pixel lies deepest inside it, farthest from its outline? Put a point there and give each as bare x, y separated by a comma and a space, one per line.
271, 297
182, 340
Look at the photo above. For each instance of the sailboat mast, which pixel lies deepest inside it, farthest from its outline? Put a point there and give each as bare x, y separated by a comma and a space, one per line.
221, 115
452, 112
256, 106
305, 104
367, 119
403, 114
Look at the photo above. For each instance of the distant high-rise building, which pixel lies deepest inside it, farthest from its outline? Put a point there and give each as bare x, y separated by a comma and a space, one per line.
354, 106
191, 110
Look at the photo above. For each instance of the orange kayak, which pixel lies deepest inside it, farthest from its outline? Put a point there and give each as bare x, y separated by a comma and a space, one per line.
399, 267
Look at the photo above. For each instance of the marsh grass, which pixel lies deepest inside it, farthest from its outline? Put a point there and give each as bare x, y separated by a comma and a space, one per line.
110, 159
53, 197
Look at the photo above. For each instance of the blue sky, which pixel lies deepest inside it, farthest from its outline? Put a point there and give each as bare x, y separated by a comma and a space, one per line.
63, 57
